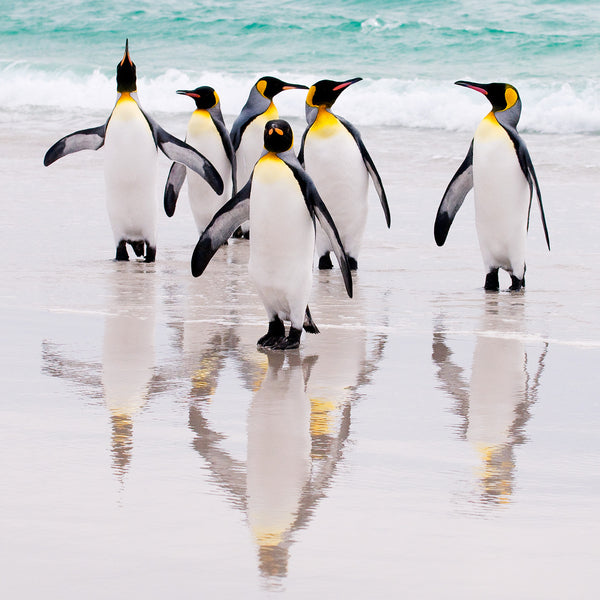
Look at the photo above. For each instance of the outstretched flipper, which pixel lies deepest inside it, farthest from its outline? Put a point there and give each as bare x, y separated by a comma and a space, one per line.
454, 196
219, 230
173, 187
317, 207
181, 152
85, 139
370, 165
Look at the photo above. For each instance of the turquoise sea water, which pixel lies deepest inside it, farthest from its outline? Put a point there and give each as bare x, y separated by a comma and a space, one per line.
64, 54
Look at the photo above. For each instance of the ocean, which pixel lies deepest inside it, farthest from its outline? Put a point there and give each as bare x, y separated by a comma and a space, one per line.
433, 441
62, 55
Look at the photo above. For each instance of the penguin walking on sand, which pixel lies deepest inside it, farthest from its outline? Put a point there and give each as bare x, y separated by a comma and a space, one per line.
282, 203
131, 138
499, 169
336, 159
206, 131
248, 129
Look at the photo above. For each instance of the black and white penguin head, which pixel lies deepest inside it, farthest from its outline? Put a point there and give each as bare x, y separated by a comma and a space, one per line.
279, 136
502, 96
269, 87
204, 96
326, 92
126, 77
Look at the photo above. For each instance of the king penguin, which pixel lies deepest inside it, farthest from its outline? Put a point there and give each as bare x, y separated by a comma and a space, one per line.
282, 203
247, 130
335, 157
206, 131
131, 138
500, 171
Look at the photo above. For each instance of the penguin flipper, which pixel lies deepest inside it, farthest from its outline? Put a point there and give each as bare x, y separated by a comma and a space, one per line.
173, 187
317, 208
254, 106
85, 139
454, 196
529, 173
181, 152
370, 165
326, 222
229, 151
301, 152
539, 197
309, 325
227, 219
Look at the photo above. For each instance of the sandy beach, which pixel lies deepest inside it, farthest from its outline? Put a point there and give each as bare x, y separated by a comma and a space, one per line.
434, 440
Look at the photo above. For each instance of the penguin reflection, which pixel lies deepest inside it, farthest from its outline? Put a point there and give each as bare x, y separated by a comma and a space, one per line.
298, 422
128, 357
494, 404
125, 377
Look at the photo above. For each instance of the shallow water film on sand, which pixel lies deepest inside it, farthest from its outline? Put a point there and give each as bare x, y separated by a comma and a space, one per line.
434, 440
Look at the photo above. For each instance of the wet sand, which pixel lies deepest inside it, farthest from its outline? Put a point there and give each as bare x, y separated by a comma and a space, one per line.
434, 440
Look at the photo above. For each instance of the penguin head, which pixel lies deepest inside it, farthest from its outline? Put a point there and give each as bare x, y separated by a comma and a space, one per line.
204, 96
326, 92
278, 136
126, 77
502, 96
269, 87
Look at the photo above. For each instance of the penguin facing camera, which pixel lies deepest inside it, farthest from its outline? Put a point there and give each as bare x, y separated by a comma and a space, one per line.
337, 160
131, 138
282, 204
500, 171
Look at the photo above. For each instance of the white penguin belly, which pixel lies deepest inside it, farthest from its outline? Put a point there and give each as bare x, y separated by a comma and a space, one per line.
130, 174
252, 144
334, 162
281, 242
501, 199
204, 201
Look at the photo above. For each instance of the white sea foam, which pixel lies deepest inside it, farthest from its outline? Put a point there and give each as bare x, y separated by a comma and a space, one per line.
547, 107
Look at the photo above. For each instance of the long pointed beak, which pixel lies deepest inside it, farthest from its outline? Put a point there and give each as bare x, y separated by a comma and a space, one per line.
294, 86
190, 93
344, 84
478, 87
126, 55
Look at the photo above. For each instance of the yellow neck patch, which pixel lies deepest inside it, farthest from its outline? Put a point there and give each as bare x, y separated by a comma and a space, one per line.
271, 112
326, 124
199, 121
125, 97
269, 156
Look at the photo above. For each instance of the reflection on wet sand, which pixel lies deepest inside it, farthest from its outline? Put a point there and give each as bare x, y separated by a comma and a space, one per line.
124, 378
298, 422
494, 403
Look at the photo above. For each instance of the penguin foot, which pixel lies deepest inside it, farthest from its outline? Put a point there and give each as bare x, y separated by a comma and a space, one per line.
325, 262
517, 284
491, 281
291, 342
122, 251
352, 263
274, 335
150, 254
138, 247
